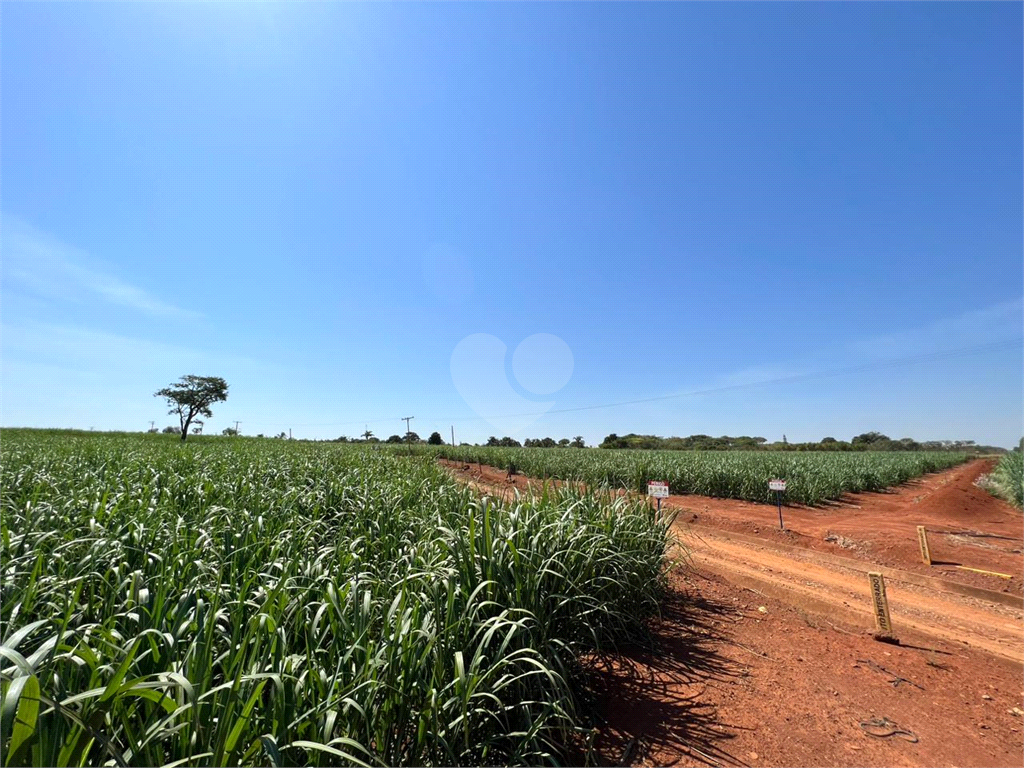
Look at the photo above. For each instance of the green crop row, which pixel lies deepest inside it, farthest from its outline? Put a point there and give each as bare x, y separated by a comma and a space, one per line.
261, 603
1007, 479
812, 478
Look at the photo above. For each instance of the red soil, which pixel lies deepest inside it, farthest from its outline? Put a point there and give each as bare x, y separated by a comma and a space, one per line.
727, 684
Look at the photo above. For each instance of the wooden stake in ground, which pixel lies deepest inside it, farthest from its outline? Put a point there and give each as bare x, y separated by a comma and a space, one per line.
882, 621
922, 538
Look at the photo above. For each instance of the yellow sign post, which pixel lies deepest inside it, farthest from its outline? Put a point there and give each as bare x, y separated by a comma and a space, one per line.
989, 573
922, 538
882, 621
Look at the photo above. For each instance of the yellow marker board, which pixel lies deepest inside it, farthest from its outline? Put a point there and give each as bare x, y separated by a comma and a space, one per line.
882, 620
989, 573
922, 538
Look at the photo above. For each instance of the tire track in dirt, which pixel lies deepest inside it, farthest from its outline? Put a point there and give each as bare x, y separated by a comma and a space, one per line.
841, 595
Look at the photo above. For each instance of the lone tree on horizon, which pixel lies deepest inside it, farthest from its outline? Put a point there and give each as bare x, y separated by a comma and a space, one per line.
192, 396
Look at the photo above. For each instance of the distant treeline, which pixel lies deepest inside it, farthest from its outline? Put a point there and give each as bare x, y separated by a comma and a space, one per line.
869, 441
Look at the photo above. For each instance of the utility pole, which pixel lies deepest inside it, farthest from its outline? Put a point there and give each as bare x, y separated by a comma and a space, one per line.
289, 433
236, 426
151, 425
407, 419
453, 435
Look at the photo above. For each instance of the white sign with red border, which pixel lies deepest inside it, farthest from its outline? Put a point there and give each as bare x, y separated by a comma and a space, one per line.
776, 485
658, 489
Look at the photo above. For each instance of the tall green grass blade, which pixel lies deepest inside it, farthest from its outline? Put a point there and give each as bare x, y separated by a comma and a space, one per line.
24, 721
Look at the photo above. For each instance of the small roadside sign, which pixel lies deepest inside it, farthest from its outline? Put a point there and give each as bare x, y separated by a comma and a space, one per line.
658, 489
779, 486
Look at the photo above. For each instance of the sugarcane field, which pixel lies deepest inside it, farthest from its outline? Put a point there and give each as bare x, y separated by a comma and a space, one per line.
511, 384
253, 601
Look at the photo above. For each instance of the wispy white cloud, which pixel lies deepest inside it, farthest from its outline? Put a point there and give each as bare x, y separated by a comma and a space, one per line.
60, 375
39, 263
759, 373
987, 325
86, 349
994, 323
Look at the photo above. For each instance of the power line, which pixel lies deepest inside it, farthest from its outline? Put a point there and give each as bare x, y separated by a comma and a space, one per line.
804, 376
877, 365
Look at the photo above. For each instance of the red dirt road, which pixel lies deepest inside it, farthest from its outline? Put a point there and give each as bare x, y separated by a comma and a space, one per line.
882, 527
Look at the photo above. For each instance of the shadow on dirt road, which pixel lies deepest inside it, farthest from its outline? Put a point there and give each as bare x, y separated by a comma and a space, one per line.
648, 698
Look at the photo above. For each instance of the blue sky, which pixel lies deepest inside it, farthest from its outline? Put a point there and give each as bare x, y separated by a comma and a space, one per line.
320, 202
